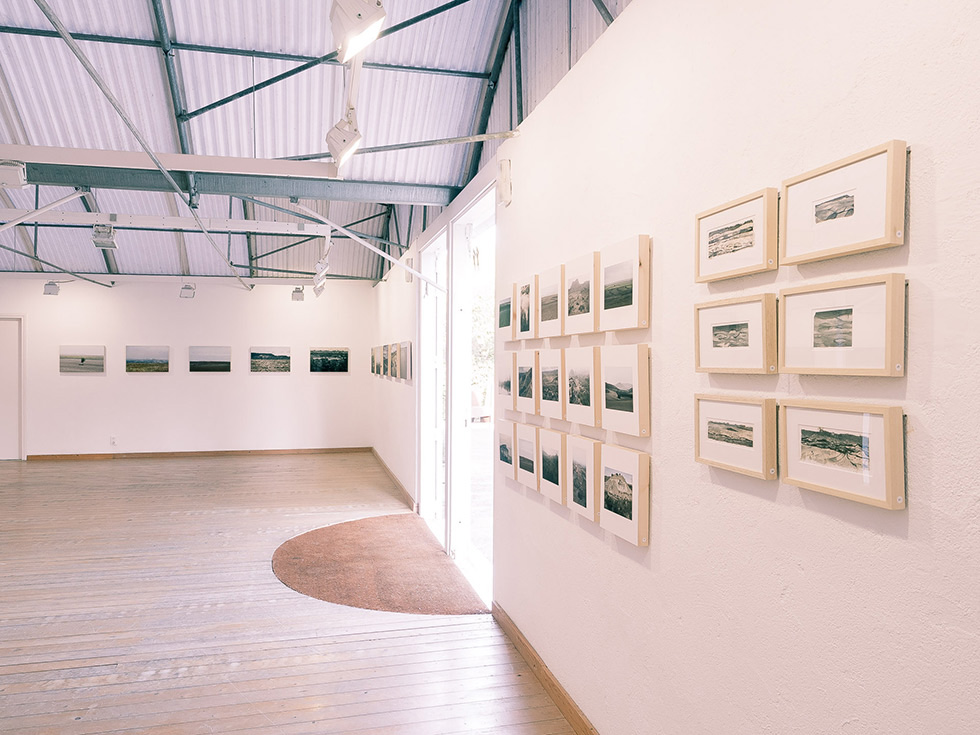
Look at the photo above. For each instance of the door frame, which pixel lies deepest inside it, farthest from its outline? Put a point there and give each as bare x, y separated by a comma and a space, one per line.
21, 322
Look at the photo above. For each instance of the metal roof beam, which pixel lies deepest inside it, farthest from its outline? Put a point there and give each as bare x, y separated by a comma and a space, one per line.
284, 247
603, 11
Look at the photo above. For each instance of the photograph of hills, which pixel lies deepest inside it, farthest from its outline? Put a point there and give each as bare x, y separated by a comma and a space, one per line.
619, 388
731, 238
579, 387
525, 381
328, 361
731, 433
549, 384
269, 359
147, 359
840, 449
833, 328
549, 466
730, 335
836, 207
506, 450
617, 492
580, 478
549, 305
618, 291
578, 297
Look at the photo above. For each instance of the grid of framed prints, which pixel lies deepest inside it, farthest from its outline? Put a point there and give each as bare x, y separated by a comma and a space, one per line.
392, 360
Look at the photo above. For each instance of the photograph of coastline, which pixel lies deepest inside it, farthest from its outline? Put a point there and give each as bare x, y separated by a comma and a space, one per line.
82, 359
836, 207
833, 328
209, 359
731, 238
147, 359
329, 361
731, 433
844, 450
730, 335
269, 359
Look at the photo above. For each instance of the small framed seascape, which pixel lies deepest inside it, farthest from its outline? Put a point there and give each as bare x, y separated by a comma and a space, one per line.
506, 433
737, 238
736, 335
624, 376
526, 438
551, 383
581, 390
551, 465
551, 311
83, 359
624, 285
624, 507
582, 460
209, 359
580, 280
736, 433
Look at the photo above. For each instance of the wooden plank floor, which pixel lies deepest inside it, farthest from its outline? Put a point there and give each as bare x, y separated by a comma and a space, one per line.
137, 596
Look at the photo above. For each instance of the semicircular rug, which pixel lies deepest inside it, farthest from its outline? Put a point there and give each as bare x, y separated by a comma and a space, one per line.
390, 562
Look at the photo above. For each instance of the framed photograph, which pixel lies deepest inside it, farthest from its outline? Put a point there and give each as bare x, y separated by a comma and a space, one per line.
580, 279
147, 359
737, 238
405, 360
527, 455
551, 311
374, 361
527, 313
551, 383
506, 369
854, 327
551, 465
581, 378
582, 460
505, 321
736, 433
269, 359
377, 360
85, 359
527, 397
505, 449
384, 359
850, 206
736, 335
624, 507
624, 371
394, 360
624, 285
849, 450
329, 361
209, 359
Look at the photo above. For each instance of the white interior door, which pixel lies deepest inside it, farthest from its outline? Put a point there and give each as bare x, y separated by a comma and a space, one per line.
11, 387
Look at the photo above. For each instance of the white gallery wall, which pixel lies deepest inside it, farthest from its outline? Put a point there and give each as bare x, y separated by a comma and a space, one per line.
181, 411
758, 606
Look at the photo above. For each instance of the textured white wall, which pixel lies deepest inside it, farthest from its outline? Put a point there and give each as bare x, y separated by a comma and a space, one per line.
761, 607
180, 411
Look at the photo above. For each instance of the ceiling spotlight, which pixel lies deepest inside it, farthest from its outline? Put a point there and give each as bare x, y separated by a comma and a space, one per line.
344, 139
355, 24
187, 291
318, 289
298, 294
104, 236
319, 278
13, 174
51, 288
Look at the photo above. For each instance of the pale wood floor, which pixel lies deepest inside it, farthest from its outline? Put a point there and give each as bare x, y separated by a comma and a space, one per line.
136, 596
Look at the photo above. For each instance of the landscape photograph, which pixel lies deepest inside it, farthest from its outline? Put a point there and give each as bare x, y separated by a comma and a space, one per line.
844, 450
269, 359
329, 361
549, 304
503, 386
147, 359
394, 360
618, 291
579, 387
549, 384
836, 207
833, 328
82, 359
731, 238
618, 388
506, 450
617, 492
724, 336
374, 362
578, 297
384, 359
209, 359
503, 313
525, 381
525, 325
549, 465
731, 433
580, 477
525, 455
405, 360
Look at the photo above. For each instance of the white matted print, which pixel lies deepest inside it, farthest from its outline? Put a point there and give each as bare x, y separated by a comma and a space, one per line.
737, 238
624, 509
551, 465
525, 303
551, 383
82, 359
582, 459
848, 450
736, 433
527, 455
505, 314
624, 374
854, 327
506, 367
850, 206
624, 285
551, 312
581, 389
736, 335
581, 279
527, 397
405, 364
505, 449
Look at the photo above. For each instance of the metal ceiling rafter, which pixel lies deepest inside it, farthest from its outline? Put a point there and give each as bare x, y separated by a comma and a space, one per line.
407, 146
290, 246
332, 56
603, 11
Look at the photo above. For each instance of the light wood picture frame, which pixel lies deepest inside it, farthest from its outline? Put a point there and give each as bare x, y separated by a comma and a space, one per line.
623, 295
736, 433
524, 381
849, 450
549, 286
736, 335
853, 327
506, 326
550, 376
526, 438
581, 280
405, 366
582, 460
526, 314
582, 385
551, 465
737, 238
624, 509
506, 449
624, 386
854, 205
505, 370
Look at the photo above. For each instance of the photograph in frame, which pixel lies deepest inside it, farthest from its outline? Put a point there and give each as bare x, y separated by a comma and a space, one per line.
505, 316
526, 440
551, 465
405, 360
854, 205
82, 359
581, 385
269, 359
852, 451
525, 300
624, 386
147, 359
330, 360
551, 311
580, 281
551, 383
506, 458
374, 361
384, 359
736, 433
524, 382
394, 360
582, 459
623, 295
737, 238
209, 359
506, 369
854, 327
624, 493
736, 335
